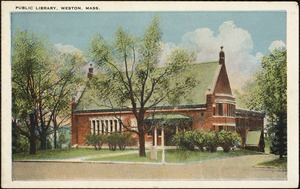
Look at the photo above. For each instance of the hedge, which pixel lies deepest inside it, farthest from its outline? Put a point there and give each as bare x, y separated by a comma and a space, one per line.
113, 140
209, 140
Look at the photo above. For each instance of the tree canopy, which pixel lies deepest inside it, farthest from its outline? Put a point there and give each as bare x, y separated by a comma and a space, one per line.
268, 92
131, 75
43, 81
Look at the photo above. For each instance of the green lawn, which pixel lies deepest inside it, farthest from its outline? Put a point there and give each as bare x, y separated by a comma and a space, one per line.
172, 155
279, 163
175, 156
61, 153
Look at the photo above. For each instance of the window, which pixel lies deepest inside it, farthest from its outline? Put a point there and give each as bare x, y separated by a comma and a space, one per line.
228, 109
102, 127
220, 128
98, 128
220, 109
159, 132
150, 133
120, 126
133, 124
111, 126
93, 127
116, 125
106, 126
214, 109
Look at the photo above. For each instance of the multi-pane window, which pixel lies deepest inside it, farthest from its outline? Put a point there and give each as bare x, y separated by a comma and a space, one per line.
105, 126
224, 110
230, 110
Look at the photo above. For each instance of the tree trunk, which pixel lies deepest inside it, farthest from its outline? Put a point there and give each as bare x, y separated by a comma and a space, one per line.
140, 124
55, 133
55, 139
43, 141
142, 151
281, 137
32, 140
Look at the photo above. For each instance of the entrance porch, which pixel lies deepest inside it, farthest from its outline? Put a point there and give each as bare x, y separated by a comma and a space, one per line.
163, 126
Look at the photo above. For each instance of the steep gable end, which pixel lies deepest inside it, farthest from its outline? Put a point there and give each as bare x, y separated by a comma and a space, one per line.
222, 84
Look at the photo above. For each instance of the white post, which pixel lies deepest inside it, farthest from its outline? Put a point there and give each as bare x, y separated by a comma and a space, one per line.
155, 137
163, 145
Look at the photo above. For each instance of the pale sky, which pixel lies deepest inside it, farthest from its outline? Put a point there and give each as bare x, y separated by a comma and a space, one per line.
245, 35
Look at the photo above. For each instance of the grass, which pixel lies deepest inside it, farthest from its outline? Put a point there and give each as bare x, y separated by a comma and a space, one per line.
128, 158
60, 153
172, 155
278, 163
175, 156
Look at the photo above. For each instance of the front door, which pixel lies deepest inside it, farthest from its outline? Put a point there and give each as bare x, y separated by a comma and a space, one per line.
169, 133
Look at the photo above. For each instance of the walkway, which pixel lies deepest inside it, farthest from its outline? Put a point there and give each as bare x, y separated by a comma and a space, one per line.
84, 158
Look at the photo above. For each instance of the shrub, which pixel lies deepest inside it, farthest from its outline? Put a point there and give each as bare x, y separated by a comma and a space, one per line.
124, 139
211, 141
185, 139
95, 140
112, 141
199, 138
228, 139
208, 139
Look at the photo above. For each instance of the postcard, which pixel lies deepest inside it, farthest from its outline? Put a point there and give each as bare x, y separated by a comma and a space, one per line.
149, 94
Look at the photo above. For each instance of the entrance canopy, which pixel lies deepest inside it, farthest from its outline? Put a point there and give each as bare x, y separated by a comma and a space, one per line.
168, 118
253, 138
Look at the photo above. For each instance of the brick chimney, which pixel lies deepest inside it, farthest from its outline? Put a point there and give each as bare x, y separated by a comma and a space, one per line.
221, 56
91, 71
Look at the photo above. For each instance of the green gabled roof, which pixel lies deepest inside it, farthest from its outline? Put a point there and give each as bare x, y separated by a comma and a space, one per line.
204, 73
167, 118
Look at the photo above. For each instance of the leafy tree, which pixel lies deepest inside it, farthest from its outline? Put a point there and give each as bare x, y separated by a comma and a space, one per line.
268, 93
30, 62
42, 84
67, 77
131, 77
19, 142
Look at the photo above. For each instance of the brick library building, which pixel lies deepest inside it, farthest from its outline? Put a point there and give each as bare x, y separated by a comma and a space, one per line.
211, 107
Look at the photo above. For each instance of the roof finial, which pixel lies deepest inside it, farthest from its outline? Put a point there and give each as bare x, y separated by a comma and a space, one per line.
91, 71
221, 56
